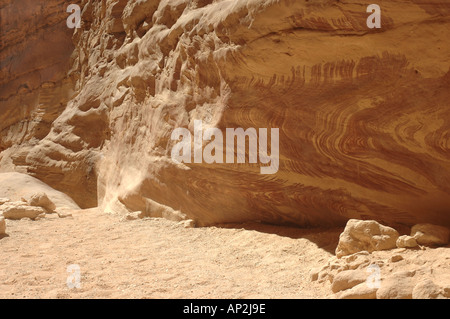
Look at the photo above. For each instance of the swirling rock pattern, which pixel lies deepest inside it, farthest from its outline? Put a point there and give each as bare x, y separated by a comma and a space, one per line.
363, 114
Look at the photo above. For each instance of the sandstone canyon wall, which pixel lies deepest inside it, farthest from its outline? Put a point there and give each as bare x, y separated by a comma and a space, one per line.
363, 114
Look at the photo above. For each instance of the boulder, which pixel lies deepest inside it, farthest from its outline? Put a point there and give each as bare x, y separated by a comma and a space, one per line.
406, 241
369, 235
430, 235
17, 210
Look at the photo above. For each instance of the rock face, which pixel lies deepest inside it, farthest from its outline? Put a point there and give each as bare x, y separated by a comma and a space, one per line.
363, 114
36, 84
367, 236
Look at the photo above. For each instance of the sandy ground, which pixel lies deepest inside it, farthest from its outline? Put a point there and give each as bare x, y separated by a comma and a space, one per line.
157, 258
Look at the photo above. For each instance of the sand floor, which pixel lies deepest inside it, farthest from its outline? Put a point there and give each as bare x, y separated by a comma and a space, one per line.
157, 258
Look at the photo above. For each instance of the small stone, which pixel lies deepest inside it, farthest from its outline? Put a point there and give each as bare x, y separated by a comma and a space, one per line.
4, 200
314, 274
431, 235
64, 215
406, 241
396, 258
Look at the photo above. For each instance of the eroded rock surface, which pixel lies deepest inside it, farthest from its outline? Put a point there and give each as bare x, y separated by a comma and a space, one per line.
363, 114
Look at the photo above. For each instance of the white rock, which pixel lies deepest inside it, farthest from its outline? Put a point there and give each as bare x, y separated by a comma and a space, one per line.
406, 241
360, 235
431, 235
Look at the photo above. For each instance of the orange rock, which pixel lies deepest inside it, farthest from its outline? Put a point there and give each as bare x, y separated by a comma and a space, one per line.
363, 114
